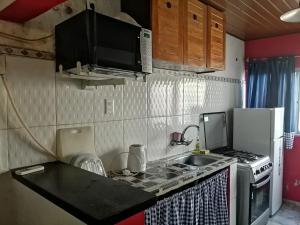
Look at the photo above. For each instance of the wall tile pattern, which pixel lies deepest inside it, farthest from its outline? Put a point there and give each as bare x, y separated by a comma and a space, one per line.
109, 143
23, 151
135, 132
144, 113
3, 150
156, 139
32, 85
157, 95
3, 107
174, 95
135, 100
190, 96
73, 105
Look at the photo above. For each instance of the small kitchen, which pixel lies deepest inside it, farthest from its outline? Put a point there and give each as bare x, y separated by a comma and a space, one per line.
152, 112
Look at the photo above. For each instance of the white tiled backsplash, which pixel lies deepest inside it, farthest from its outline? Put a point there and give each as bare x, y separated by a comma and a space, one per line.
144, 113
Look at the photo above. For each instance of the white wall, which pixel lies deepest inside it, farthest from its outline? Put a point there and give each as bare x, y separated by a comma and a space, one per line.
145, 113
234, 58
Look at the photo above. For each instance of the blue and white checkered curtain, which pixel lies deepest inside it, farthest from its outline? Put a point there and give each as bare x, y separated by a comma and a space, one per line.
203, 204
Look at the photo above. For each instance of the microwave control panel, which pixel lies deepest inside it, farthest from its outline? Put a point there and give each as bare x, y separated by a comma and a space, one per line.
146, 50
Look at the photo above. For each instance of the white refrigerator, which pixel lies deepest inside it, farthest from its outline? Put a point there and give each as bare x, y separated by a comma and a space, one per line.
260, 131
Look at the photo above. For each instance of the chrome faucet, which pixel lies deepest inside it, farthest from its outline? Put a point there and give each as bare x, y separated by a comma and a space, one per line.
179, 139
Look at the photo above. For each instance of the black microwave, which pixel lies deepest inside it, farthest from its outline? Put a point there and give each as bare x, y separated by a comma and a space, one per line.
90, 41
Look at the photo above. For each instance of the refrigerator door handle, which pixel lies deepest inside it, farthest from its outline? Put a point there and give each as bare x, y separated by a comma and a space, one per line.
279, 164
281, 137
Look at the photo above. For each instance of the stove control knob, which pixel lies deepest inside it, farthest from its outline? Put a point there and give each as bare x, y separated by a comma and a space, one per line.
257, 172
262, 169
270, 164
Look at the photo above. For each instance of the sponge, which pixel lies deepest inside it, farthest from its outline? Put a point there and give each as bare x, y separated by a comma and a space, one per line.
201, 152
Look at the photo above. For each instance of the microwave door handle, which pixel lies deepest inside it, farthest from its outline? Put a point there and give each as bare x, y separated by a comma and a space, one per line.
259, 185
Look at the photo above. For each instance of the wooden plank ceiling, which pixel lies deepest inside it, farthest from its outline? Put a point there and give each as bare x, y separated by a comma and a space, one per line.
255, 19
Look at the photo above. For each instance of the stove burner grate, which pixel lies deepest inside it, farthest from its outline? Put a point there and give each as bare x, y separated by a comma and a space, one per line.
242, 156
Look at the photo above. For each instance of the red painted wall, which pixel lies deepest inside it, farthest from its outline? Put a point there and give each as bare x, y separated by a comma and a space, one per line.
24, 10
280, 46
276, 46
291, 173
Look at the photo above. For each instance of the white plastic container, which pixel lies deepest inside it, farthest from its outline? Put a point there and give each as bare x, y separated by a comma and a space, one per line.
137, 158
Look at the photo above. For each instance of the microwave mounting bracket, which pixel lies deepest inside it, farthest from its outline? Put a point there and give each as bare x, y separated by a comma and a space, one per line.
90, 80
91, 84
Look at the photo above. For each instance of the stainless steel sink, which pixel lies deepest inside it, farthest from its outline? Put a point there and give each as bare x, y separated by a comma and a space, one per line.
196, 160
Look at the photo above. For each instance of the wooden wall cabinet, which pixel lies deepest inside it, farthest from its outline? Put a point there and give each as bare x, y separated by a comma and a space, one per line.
179, 31
195, 21
167, 30
215, 39
185, 32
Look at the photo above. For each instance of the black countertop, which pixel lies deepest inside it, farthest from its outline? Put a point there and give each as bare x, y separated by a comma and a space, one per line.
91, 198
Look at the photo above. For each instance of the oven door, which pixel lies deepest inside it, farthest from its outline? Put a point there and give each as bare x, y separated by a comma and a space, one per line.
259, 198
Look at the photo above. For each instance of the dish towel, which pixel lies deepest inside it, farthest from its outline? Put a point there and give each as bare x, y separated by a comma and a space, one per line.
203, 204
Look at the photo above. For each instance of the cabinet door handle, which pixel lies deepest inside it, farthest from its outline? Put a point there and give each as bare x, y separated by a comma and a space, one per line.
216, 25
195, 17
169, 5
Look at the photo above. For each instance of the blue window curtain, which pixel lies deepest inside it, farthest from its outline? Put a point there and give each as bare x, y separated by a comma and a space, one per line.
272, 83
258, 80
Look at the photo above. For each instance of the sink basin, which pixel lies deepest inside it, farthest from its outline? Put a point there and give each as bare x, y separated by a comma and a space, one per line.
196, 160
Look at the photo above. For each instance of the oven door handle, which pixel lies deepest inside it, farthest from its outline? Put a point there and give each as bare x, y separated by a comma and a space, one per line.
259, 185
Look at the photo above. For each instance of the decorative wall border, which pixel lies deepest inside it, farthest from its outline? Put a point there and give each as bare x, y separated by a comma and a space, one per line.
205, 76
25, 52
217, 78
31, 53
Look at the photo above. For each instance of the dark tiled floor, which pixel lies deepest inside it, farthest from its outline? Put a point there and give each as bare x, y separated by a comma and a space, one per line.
289, 214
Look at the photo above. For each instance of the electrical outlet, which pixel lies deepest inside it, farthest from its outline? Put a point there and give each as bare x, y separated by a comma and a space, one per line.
91, 4
109, 106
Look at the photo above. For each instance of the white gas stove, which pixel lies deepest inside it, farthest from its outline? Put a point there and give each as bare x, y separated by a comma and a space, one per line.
253, 186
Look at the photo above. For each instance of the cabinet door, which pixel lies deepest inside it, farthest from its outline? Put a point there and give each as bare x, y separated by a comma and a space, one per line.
195, 23
167, 29
216, 39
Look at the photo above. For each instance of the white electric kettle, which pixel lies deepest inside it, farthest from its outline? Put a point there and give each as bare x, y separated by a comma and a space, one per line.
137, 158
